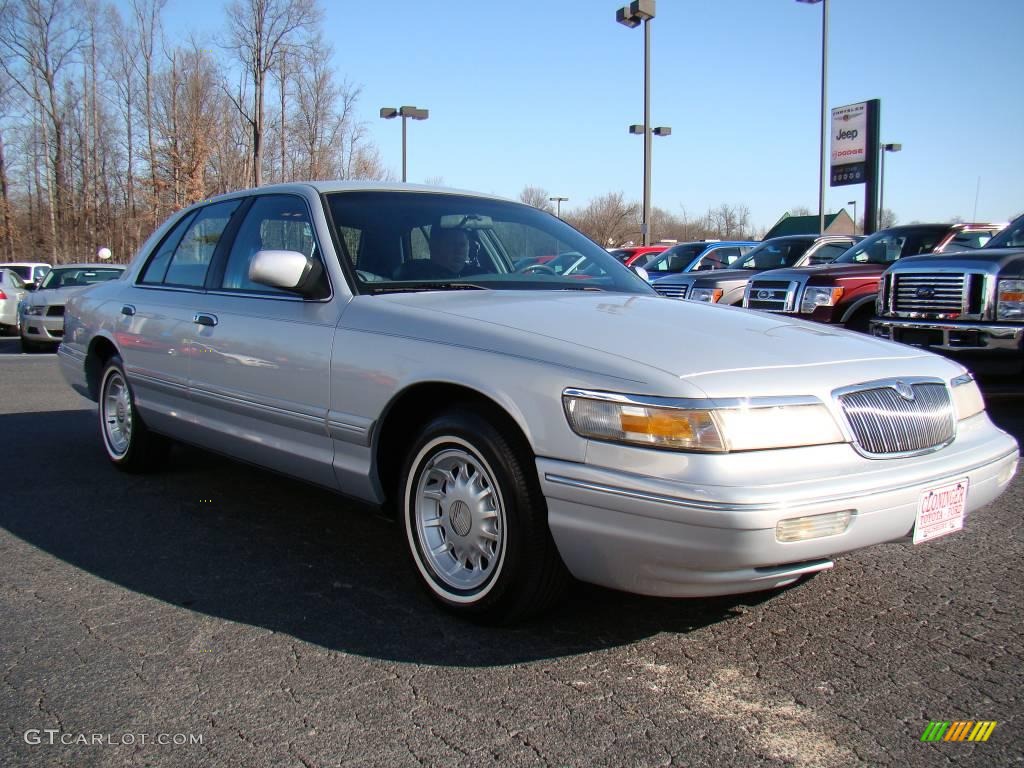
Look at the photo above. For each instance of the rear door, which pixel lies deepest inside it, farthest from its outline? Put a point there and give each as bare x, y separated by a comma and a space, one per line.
260, 362
155, 316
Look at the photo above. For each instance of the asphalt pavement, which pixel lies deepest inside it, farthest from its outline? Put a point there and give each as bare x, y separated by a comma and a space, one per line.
217, 614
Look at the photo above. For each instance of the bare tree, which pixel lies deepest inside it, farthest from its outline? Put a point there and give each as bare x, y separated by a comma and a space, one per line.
258, 33
607, 219
729, 222
538, 197
147, 27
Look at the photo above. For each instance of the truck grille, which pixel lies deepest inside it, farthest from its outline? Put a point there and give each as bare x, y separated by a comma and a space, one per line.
771, 295
933, 294
885, 423
671, 291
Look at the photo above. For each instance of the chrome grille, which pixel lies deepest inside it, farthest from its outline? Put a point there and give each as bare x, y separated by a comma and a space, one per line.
671, 291
771, 295
885, 423
929, 293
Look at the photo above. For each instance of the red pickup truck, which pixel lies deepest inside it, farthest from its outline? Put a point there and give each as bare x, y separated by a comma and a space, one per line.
844, 291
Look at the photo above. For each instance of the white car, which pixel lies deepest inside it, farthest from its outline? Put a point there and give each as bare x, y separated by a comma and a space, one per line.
523, 425
12, 293
41, 319
30, 272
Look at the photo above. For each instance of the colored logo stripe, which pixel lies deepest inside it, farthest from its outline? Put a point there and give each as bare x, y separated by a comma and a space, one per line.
958, 730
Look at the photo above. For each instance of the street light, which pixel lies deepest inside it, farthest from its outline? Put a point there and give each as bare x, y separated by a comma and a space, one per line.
881, 175
824, 107
558, 203
854, 204
404, 112
631, 15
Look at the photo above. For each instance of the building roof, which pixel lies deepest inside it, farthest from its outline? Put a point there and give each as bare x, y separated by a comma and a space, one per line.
808, 225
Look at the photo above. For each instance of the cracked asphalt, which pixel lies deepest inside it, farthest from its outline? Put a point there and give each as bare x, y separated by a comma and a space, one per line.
280, 625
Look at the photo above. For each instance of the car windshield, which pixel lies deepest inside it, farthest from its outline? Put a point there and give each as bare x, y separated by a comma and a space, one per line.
675, 259
404, 241
622, 254
66, 277
887, 246
776, 253
1011, 237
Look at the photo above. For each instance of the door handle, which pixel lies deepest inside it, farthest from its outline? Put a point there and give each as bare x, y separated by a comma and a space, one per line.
205, 318
128, 310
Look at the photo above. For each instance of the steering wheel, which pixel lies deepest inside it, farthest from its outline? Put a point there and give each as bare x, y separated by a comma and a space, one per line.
544, 268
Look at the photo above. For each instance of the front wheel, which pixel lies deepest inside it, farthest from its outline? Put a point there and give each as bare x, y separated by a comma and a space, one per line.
476, 522
128, 442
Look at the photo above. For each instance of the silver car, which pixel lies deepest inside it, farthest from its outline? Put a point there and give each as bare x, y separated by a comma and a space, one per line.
12, 293
376, 339
41, 315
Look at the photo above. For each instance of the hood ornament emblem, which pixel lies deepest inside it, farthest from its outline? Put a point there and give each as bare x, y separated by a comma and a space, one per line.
904, 390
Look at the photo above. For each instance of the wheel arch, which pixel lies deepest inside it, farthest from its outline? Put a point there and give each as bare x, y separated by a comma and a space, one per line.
858, 306
412, 407
101, 349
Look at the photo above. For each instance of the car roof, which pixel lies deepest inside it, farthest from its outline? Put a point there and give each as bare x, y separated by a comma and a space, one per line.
6, 264
322, 187
83, 265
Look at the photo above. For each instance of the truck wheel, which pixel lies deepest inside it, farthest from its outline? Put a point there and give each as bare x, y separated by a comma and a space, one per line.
128, 442
861, 320
475, 521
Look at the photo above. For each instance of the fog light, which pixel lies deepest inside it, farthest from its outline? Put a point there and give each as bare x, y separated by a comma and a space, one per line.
814, 526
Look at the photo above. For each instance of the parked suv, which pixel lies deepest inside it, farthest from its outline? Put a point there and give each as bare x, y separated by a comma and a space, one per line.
726, 286
967, 305
844, 292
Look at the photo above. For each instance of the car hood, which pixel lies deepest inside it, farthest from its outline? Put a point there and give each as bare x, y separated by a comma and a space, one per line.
644, 338
708, 277
51, 297
829, 271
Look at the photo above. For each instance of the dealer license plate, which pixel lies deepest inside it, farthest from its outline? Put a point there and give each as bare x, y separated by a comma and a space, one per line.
940, 511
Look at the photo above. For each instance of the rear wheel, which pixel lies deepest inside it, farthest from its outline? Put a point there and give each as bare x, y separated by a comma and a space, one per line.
128, 441
475, 521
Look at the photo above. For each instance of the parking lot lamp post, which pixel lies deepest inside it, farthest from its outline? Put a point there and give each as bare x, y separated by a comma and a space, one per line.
881, 175
631, 15
824, 109
404, 112
558, 204
854, 204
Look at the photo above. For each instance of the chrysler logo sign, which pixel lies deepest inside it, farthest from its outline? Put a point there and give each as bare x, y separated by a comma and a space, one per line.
904, 390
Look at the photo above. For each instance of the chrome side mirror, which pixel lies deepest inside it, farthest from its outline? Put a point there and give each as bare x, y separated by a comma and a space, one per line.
287, 270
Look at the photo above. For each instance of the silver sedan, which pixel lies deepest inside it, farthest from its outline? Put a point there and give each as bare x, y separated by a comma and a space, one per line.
523, 426
41, 321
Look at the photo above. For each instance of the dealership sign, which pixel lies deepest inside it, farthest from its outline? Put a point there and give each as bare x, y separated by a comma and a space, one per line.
849, 144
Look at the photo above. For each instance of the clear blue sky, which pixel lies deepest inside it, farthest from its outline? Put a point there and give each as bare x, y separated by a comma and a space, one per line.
542, 93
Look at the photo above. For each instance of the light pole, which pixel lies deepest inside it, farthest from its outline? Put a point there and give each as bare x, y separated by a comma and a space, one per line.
631, 15
404, 112
558, 204
854, 204
881, 175
824, 109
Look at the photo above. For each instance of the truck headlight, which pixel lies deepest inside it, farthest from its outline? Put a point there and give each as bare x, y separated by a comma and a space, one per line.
815, 296
967, 399
1010, 300
709, 295
742, 427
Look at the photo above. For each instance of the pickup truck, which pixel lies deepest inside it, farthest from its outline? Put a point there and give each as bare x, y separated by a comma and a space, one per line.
725, 286
844, 292
968, 306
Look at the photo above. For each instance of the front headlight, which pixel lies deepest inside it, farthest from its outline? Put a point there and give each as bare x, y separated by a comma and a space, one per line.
1010, 300
709, 295
967, 399
689, 426
815, 296
34, 309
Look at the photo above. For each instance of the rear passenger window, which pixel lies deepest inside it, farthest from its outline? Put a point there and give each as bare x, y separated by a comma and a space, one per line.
273, 223
194, 253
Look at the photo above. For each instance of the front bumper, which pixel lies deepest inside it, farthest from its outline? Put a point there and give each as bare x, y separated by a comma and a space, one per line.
985, 347
43, 329
663, 537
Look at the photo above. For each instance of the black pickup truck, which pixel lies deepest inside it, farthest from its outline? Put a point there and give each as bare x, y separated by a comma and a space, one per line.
967, 305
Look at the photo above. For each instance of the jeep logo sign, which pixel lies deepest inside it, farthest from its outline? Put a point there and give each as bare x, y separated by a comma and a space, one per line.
849, 131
